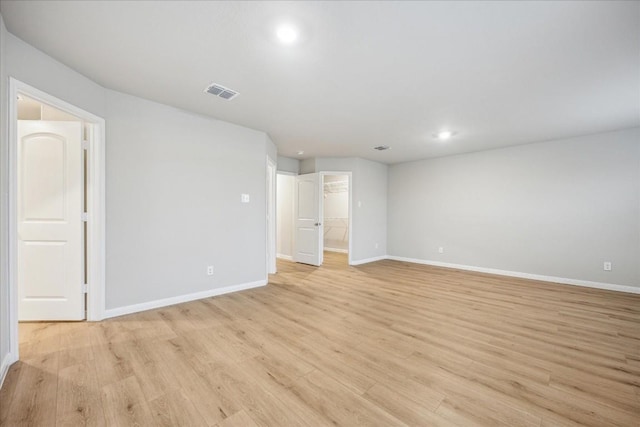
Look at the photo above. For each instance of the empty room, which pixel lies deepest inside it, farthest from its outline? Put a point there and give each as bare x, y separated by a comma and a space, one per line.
320, 213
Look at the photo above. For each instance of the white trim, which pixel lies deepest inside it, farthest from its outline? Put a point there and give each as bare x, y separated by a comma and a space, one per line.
270, 209
95, 203
551, 279
368, 260
8, 360
283, 256
96, 234
342, 251
135, 308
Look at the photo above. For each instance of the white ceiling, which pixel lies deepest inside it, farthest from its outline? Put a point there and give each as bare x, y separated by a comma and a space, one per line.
365, 73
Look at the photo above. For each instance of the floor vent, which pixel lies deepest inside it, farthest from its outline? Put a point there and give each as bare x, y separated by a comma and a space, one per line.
221, 91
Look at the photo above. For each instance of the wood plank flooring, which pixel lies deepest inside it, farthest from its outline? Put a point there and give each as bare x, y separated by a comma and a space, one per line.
384, 344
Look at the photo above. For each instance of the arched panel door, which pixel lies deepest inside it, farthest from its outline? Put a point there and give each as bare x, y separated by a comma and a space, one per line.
50, 227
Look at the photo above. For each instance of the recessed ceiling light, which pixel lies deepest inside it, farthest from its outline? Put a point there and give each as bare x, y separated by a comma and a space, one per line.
444, 135
300, 153
287, 34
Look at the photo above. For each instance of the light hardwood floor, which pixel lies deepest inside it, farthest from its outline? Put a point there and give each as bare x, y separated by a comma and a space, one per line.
383, 344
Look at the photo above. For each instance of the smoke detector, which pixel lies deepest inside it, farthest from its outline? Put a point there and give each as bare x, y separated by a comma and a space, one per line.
381, 147
221, 91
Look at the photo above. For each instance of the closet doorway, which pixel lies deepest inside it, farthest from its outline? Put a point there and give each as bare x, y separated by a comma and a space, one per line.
51, 201
333, 218
335, 214
55, 227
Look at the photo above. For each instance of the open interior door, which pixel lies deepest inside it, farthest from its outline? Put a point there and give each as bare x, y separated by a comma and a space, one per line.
308, 226
50, 227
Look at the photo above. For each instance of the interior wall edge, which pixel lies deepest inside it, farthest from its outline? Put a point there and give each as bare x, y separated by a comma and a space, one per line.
6, 356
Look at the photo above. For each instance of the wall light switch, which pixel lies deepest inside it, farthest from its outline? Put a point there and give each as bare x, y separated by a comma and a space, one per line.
245, 198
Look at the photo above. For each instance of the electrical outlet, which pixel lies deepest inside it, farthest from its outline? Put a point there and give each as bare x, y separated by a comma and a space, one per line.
210, 270
376, 245
440, 250
607, 266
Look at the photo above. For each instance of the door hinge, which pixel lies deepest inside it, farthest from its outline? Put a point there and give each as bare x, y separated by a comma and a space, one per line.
85, 145
84, 288
85, 217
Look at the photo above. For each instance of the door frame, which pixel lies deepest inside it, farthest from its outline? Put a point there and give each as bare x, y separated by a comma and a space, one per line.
270, 209
96, 204
350, 175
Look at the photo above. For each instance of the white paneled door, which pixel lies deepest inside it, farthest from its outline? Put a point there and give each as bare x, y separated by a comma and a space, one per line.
308, 217
50, 227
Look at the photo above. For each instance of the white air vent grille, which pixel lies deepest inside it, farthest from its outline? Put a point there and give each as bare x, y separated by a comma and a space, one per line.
381, 147
221, 91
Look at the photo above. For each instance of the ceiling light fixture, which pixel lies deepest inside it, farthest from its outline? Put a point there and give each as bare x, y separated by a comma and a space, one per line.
287, 34
444, 135
300, 153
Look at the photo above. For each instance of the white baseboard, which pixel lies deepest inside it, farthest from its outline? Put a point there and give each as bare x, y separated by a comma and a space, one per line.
368, 260
8, 360
283, 256
552, 279
135, 308
342, 251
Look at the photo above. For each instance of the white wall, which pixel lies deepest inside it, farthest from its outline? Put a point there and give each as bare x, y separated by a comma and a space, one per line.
558, 208
336, 212
370, 210
287, 164
31, 66
284, 215
174, 182
307, 166
270, 149
173, 189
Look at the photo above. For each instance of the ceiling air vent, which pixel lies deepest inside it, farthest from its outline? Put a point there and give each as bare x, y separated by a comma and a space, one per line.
381, 147
221, 91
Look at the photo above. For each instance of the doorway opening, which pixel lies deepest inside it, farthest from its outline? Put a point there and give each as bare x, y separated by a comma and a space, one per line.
51, 198
313, 217
335, 217
56, 186
285, 186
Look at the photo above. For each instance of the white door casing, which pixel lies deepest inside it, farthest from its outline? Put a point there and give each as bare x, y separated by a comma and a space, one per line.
308, 219
49, 215
271, 217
